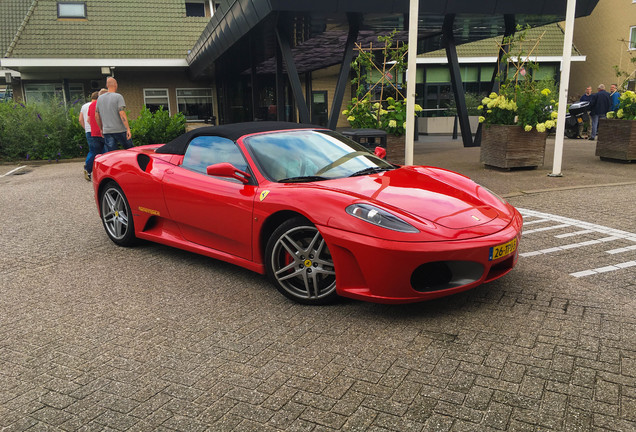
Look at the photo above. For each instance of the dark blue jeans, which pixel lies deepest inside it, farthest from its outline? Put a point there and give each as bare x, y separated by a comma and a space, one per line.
95, 147
595, 118
112, 141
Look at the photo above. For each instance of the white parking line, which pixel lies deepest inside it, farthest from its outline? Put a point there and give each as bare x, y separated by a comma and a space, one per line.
572, 234
621, 250
604, 269
578, 224
585, 228
570, 246
545, 228
13, 170
537, 221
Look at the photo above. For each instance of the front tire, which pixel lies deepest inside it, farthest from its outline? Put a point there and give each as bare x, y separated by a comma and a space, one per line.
299, 263
116, 215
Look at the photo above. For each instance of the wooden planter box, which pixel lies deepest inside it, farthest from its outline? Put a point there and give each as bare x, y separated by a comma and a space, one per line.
443, 125
616, 140
512, 147
395, 149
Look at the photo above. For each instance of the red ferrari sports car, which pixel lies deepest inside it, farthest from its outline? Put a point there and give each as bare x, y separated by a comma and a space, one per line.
318, 213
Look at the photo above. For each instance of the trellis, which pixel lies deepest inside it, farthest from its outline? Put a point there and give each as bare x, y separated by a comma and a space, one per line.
392, 65
519, 64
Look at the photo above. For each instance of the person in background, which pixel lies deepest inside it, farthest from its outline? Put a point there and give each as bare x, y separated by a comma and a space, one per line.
587, 97
96, 135
110, 113
83, 120
599, 106
615, 96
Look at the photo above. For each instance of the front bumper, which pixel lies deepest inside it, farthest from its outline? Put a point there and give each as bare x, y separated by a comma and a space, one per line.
382, 271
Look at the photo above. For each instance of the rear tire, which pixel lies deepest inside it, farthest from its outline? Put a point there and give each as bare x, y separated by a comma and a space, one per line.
116, 215
299, 263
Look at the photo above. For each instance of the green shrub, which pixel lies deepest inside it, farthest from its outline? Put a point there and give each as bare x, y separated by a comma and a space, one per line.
156, 128
43, 130
51, 130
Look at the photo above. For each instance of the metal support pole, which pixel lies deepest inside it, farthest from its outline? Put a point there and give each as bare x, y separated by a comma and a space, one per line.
410, 82
563, 89
292, 73
345, 68
456, 79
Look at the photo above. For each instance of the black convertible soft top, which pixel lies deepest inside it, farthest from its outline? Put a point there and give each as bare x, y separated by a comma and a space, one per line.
230, 131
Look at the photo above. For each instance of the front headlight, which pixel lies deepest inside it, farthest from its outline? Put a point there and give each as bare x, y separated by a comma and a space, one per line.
379, 217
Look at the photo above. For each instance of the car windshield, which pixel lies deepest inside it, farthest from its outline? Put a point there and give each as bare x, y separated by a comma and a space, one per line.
308, 155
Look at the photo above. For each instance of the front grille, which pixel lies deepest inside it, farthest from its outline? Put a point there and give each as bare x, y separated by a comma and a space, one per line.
441, 275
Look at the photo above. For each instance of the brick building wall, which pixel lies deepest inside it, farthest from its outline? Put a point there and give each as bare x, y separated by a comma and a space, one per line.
326, 80
603, 37
132, 84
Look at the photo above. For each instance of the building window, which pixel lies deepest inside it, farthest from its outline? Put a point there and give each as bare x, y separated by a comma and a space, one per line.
195, 9
71, 10
46, 92
195, 104
632, 38
155, 99
545, 71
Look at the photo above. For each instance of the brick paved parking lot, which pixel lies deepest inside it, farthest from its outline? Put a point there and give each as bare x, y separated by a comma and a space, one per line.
97, 337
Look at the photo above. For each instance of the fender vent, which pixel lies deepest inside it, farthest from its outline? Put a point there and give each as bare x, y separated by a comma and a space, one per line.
143, 160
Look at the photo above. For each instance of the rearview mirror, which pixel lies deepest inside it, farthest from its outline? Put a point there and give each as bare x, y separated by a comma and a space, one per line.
226, 169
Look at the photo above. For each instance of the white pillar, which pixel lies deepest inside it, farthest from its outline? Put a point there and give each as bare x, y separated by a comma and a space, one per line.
563, 89
410, 83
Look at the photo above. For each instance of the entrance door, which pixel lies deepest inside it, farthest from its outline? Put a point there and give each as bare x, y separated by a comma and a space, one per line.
319, 114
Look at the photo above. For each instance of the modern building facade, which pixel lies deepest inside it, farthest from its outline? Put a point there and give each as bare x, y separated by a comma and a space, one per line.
66, 49
542, 45
237, 60
608, 38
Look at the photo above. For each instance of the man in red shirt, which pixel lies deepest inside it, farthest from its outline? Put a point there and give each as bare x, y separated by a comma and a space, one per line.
96, 134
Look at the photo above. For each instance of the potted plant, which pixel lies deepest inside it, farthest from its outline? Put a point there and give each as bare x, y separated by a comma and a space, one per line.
516, 124
617, 133
379, 102
517, 119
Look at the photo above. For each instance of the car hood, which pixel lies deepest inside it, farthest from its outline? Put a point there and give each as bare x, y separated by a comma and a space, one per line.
432, 194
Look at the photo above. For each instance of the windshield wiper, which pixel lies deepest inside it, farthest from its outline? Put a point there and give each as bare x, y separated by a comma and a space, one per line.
301, 179
370, 170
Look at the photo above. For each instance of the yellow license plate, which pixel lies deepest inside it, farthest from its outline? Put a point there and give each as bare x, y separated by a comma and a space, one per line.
503, 250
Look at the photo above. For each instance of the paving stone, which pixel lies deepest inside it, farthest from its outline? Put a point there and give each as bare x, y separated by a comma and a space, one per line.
536, 350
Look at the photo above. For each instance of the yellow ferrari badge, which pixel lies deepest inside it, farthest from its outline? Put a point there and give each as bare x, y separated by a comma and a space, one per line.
147, 210
264, 194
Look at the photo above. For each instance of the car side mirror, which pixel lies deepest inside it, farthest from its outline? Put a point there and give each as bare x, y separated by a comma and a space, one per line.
226, 169
380, 152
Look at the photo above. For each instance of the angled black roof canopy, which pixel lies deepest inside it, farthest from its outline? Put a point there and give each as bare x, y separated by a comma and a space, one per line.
253, 38
327, 19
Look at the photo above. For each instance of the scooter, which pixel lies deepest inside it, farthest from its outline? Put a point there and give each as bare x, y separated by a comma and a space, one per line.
576, 118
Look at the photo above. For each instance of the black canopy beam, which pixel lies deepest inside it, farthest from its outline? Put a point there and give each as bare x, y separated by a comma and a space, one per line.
280, 86
448, 40
345, 69
510, 27
253, 79
282, 34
